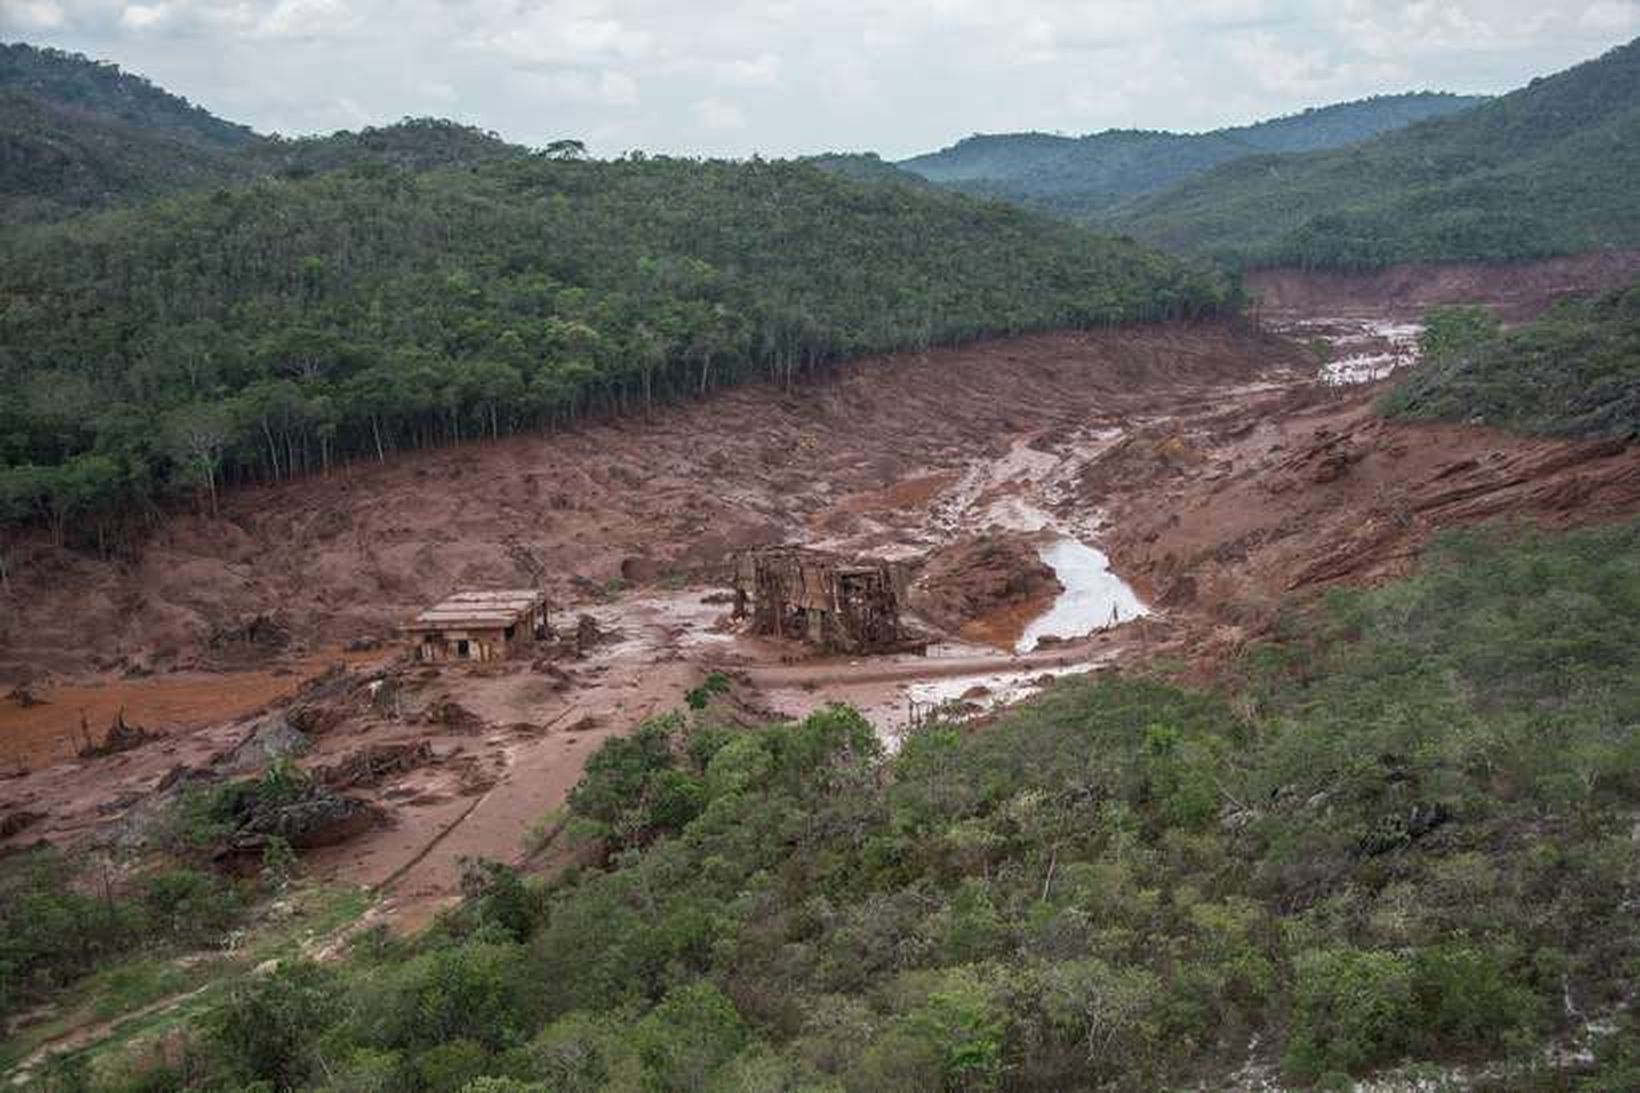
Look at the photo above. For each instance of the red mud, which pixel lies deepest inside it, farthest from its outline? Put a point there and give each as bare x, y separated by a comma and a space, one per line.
37, 735
354, 554
1517, 291
1223, 475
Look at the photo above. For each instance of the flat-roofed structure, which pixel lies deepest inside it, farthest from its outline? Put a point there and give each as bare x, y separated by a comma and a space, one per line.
480, 625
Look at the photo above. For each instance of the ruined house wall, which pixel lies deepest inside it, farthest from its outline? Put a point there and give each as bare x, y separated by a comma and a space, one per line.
828, 601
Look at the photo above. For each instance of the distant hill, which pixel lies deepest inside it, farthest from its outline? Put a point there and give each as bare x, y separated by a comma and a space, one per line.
78, 134
102, 90
1548, 169
1081, 177
867, 167
56, 161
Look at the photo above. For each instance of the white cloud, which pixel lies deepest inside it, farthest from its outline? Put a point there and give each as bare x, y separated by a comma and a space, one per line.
760, 71
717, 114
1613, 16
561, 33
36, 14
729, 77
145, 16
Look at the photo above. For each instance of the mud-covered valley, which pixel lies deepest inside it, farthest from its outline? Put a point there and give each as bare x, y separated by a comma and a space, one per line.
1068, 503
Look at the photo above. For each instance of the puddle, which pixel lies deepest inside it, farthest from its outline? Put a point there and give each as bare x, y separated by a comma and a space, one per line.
1094, 597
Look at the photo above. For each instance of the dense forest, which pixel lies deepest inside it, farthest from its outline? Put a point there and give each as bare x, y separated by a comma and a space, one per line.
274, 328
1084, 177
1548, 169
1575, 371
1402, 839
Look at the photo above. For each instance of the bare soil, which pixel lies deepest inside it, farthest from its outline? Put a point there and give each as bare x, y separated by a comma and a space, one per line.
1210, 463
1517, 291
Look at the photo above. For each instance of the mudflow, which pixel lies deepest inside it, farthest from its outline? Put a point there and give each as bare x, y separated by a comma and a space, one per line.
1158, 491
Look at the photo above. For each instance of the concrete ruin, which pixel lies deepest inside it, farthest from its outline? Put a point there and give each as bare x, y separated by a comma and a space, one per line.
480, 625
834, 603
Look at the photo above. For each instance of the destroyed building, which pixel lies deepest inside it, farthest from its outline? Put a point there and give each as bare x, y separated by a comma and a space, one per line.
834, 603
480, 625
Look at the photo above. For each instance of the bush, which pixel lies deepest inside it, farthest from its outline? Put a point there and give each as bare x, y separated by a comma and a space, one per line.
1351, 1009
267, 1027
686, 1039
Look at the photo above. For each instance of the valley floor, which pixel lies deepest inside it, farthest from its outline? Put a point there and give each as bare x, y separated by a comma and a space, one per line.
1215, 466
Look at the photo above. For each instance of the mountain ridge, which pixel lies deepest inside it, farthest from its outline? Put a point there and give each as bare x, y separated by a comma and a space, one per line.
1082, 176
1546, 169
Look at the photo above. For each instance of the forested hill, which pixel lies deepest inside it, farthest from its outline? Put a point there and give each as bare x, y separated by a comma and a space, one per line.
78, 134
101, 90
1082, 177
1548, 169
271, 328
56, 161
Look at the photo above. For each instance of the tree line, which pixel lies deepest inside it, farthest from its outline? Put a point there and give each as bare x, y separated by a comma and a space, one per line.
275, 328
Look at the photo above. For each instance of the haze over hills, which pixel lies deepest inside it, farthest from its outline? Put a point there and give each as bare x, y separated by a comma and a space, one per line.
1548, 169
1082, 177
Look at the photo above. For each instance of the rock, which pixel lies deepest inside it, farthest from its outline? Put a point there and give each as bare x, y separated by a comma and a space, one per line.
639, 570
321, 818
978, 691
272, 737
453, 715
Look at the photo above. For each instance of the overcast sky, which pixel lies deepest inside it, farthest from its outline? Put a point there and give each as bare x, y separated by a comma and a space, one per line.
779, 77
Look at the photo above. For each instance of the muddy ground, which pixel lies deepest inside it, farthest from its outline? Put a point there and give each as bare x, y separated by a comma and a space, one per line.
1219, 468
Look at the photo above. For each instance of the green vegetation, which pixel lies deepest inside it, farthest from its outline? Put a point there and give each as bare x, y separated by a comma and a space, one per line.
57, 925
272, 329
99, 88
1575, 371
1548, 169
1405, 836
1085, 177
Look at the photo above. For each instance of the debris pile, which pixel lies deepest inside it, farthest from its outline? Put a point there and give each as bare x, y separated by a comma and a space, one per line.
373, 764
121, 736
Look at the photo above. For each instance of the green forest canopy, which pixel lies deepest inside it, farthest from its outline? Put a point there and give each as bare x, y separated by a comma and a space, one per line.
1548, 169
268, 329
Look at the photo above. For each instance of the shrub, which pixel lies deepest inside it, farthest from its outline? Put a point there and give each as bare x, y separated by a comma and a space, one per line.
688, 1037
1351, 1009
269, 1024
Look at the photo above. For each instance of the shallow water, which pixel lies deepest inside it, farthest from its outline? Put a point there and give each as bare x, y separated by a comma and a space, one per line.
1094, 597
